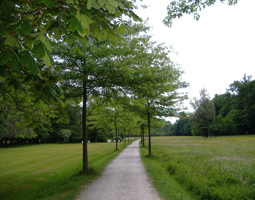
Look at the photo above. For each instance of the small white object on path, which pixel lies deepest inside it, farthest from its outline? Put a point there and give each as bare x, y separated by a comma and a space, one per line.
124, 179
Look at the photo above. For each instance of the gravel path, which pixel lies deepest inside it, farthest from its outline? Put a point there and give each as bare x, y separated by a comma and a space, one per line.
124, 179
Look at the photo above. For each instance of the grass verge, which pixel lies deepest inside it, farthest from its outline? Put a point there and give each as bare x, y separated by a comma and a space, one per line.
165, 184
221, 168
50, 171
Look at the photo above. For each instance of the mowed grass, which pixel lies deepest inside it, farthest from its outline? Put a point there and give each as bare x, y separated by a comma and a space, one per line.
50, 171
220, 168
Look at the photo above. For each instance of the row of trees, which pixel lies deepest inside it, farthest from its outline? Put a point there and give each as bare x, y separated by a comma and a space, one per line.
231, 113
124, 83
55, 54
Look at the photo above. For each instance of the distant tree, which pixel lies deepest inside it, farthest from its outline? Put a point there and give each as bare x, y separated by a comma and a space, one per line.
242, 105
223, 126
222, 104
204, 116
108, 114
69, 118
164, 128
181, 127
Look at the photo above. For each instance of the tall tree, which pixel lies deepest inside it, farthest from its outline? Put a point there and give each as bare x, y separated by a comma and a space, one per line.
157, 94
85, 73
204, 116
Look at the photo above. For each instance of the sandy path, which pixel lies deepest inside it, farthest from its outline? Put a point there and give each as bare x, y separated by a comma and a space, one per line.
125, 178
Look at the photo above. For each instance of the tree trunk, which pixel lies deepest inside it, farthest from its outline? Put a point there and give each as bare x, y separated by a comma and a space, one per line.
143, 136
116, 134
84, 122
149, 131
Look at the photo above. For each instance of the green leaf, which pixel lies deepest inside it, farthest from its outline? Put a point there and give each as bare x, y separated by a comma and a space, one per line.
57, 33
5, 57
73, 24
89, 4
96, 5
85, 21
11, 41
16, 61
28, 61
121, 6
26, 28
39, 51
101, 2
68, 41
49, 3
6, 9
122, 29
113, 3
45, 41
15, 27
110, 8
79, 51
50, 92
47, 58
75, 49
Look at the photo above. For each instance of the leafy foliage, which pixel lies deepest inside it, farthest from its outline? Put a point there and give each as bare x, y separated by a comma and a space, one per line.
204, 116
177, 8
234, 111
28, 30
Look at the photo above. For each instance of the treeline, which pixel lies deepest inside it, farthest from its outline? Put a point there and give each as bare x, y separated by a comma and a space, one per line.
233, 113
95, 90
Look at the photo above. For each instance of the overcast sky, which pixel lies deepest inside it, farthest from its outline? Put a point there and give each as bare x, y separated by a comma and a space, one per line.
214, 51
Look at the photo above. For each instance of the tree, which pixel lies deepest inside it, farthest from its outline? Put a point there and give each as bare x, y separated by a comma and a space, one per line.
89, 72
157, 94
204, 116
242, 105
107, 115
177, 8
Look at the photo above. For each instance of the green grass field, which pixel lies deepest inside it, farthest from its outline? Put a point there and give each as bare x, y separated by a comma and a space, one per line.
220, 168
50, 171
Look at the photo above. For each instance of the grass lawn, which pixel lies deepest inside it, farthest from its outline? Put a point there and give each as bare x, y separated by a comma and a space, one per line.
220, 168
50, 171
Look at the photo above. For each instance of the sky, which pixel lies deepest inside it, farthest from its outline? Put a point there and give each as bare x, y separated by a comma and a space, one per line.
214, 51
